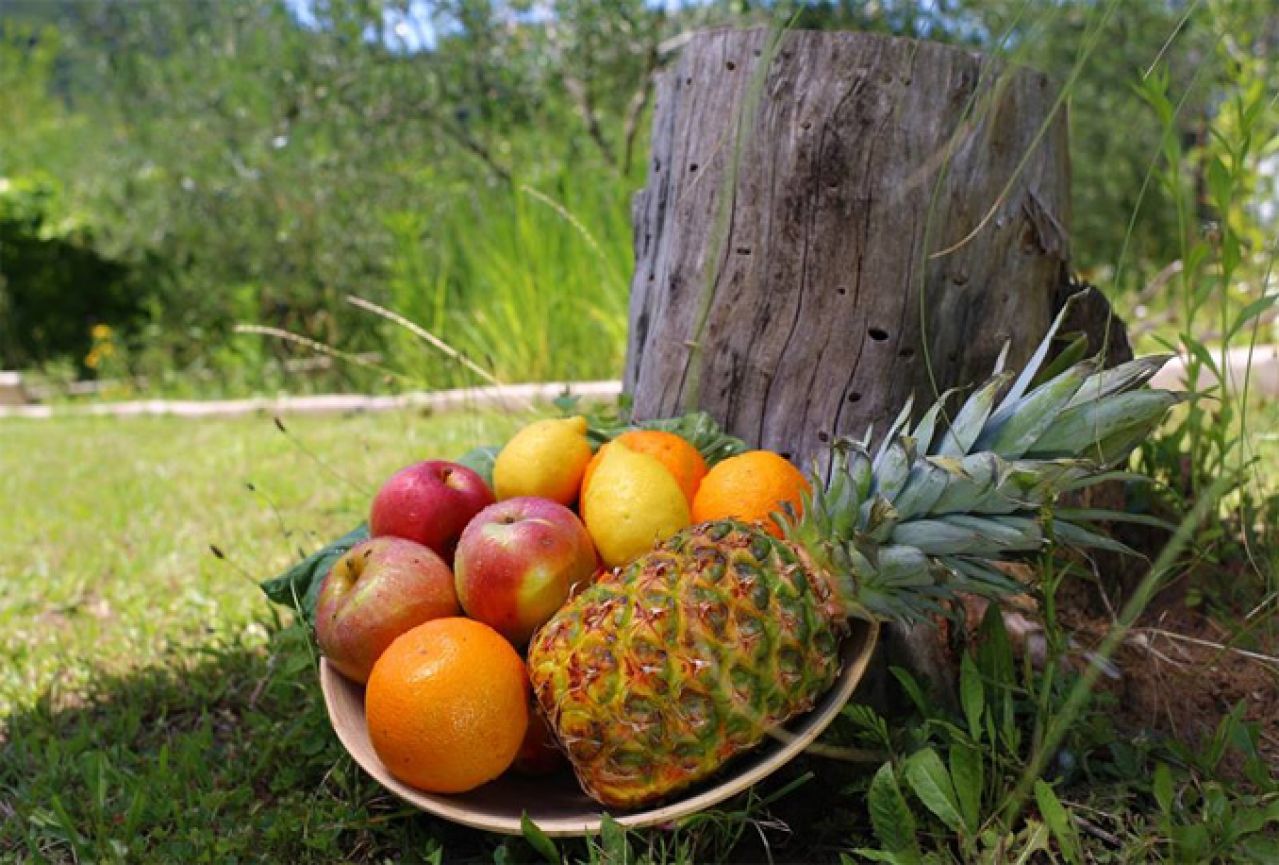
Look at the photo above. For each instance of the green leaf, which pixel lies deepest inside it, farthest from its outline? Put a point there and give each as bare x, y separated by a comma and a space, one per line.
481, 461
1031, 369
912, 689
972, 696
1058, 822
995, 663
931, 782
878, 856
299, 587
697, 428
1162, 788
968, 774
613, 841
1251, 311
539, 840
890, 816
1073, 352
1190, 842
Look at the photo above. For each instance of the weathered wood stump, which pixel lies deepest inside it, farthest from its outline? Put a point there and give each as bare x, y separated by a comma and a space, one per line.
833, 222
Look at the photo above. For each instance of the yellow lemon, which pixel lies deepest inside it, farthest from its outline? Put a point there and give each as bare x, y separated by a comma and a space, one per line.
632, 502
546, 458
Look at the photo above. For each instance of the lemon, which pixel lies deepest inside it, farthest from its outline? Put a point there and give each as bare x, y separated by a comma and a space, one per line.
632, 502
546, 458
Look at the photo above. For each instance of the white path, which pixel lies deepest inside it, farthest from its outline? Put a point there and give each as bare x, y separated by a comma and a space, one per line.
1262, 378
516, 397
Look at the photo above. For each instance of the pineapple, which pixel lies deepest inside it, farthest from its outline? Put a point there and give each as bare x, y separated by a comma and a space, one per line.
663, 670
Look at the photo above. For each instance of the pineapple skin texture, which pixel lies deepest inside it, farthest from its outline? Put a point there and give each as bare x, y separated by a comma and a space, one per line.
663, 670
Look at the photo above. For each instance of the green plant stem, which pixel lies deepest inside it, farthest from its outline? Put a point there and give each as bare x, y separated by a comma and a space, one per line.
1141, 597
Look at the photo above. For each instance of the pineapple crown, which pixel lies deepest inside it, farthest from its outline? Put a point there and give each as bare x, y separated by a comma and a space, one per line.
931, 511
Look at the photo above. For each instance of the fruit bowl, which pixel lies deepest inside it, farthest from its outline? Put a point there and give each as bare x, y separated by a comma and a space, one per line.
556, 803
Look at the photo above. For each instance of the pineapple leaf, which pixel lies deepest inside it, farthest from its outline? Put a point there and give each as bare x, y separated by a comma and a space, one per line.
1072, 353
1077, 536
1119, 379
1087, 480
945, 536
967, 425
902, 566
977, 576
924, 485
878, 519
1090, 515
1078, 430
1011, 431
923, 432
972, 480
1001, 362
894, 465
1037, 359
890, 437
1011, 533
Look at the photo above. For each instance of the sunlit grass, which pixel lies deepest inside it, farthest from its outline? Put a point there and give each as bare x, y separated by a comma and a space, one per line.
105, 556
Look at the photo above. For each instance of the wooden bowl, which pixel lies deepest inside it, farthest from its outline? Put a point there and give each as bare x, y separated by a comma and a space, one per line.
556, 803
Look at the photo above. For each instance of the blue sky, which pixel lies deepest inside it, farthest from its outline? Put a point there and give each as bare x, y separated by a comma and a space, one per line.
410, 30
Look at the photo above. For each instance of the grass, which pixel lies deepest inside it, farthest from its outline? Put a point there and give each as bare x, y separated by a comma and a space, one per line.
155, 708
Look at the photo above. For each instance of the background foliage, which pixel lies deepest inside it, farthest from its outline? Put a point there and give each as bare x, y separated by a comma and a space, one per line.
172, 169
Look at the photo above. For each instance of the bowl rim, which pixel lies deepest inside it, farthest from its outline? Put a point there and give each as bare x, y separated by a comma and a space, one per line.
344, 702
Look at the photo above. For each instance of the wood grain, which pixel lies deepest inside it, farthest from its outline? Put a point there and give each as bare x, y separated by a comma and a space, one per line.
789, 276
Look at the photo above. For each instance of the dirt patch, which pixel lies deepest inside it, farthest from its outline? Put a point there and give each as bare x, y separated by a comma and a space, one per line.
1181, 673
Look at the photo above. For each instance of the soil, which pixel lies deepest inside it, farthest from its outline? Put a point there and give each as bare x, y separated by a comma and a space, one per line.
1181, 673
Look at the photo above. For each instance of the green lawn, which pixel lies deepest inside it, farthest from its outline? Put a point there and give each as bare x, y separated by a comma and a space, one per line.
155, 708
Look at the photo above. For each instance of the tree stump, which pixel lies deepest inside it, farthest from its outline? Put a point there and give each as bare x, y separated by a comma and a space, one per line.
815, 235
833, 222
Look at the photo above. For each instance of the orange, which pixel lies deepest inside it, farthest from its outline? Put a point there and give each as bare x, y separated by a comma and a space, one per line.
680, 458
750, 487
447, 705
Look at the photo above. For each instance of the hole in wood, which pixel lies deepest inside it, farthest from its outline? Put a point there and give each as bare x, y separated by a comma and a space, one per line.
743, 250
692, 167
730, 65
841, 291
785, 455
878, 334
906, 352
688, 80
823, 436
854, 397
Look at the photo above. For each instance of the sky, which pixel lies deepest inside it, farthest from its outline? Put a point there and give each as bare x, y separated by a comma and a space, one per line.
410, 30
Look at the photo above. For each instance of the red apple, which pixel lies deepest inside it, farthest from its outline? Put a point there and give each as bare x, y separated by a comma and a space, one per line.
429, 502
517, 562
377, 591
